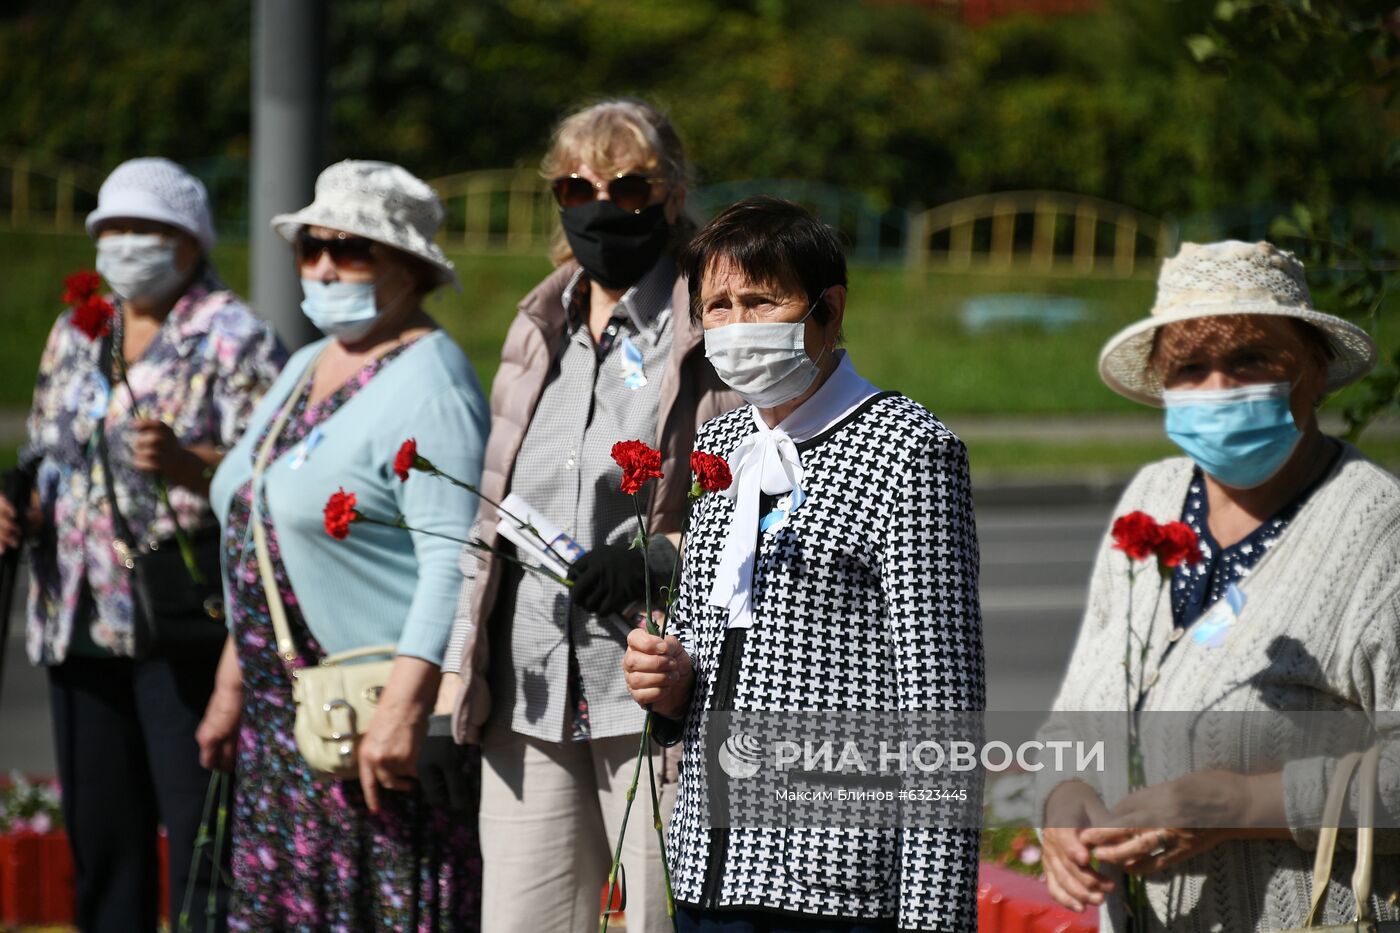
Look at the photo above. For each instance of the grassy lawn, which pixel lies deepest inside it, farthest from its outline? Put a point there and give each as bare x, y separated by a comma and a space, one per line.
903, 329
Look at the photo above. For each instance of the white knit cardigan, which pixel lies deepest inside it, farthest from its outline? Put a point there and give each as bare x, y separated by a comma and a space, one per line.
1320, 631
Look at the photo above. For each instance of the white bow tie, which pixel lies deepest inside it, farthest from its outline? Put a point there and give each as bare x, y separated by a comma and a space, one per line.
765, 461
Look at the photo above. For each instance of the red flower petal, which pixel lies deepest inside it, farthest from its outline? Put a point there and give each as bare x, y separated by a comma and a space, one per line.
1178, 544
340, 514
639, 463
93, 316
711, 472
1136, 534
404, 459
80, 286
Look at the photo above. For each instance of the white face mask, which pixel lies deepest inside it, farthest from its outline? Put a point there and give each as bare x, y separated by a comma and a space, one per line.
139, 265
767, 364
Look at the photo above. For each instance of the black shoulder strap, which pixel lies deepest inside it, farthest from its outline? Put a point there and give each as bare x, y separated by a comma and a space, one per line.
106, 359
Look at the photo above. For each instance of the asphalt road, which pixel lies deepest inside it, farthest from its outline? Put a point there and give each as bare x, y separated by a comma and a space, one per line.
1035, 571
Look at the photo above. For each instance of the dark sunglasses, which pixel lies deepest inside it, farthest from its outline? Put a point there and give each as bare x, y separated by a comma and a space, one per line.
346, 250
631, 191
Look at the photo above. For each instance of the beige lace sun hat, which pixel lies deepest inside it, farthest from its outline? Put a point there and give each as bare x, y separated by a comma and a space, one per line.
1230, 277
380, 201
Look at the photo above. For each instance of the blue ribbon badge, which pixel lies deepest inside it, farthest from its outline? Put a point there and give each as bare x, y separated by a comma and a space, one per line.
303, 450
633, 376
785, 506
1213, 628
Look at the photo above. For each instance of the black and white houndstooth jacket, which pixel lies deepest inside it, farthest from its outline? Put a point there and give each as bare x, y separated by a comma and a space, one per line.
865, 600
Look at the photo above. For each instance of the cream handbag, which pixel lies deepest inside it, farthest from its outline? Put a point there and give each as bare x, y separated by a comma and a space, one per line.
1367, 766
335, 699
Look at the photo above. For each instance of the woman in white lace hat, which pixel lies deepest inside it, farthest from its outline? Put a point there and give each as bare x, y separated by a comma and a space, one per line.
366, 853
1293, 605
126, 694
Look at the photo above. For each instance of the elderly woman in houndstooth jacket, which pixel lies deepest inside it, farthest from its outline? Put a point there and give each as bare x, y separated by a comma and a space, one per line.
1299, 536
780, 572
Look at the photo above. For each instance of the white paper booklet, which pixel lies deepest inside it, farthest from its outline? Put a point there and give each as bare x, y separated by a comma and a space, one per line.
561, 550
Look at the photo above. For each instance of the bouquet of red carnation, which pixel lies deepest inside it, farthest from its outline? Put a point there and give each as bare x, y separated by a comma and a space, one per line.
1140, 537
641, 464
92, 314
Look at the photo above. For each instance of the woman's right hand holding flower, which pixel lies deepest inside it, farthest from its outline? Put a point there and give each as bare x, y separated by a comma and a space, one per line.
1071, 878
659, 673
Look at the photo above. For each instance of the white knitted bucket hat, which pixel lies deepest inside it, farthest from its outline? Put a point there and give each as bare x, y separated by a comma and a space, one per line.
1230, 277
380, 201
155, 189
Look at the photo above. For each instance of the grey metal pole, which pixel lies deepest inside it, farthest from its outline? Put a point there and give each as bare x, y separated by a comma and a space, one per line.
289, 42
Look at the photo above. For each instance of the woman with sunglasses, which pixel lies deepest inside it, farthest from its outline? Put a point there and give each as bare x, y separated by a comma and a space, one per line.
126, 697
601, 351
311, 854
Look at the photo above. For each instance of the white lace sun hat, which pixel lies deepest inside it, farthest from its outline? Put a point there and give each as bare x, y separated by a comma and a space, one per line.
379, 201
1230, 277
155, 189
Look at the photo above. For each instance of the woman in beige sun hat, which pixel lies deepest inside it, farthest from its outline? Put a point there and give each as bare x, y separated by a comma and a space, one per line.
1293, 605
311, 853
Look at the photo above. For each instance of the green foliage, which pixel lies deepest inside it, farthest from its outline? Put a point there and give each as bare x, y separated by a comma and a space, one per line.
1339, 59
898, 101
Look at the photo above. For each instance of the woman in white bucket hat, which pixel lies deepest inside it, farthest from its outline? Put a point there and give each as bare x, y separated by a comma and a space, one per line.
1294, 605
370, 853
128, 688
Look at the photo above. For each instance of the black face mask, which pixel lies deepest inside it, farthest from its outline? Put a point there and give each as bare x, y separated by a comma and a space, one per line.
615, 247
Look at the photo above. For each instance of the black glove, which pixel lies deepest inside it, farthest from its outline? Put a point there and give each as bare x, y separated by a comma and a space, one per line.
450, 774
608, 579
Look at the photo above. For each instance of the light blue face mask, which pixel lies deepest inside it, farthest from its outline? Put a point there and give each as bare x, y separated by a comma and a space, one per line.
344, 310
1240, 436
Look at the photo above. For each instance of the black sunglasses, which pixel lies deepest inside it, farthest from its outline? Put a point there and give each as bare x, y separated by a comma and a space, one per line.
629, 191
346, 249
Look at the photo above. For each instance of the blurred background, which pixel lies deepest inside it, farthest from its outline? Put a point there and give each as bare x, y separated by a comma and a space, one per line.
1008, 175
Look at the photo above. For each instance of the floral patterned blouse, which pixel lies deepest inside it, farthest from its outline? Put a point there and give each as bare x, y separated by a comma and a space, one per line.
202, 374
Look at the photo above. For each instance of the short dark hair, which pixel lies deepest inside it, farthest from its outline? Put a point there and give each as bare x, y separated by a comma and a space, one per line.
771, 241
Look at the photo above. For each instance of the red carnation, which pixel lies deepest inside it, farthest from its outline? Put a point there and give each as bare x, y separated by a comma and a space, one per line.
340, 514
711, 472
639, 463
93, 316
1136, 534
80, 286
1178, 544
404, 459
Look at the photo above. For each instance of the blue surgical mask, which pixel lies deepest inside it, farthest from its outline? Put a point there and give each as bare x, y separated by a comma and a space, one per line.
344, 310
1241, 436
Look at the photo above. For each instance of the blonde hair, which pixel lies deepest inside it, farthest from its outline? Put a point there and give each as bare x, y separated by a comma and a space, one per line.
611, 135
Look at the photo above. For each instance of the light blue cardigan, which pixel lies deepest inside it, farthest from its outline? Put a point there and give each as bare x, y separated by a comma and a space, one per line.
380, 585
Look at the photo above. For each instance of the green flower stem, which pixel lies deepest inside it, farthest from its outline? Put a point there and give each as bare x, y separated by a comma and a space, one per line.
622, 833
182, 540
211, 907
475, 544
642, 541
1135, 886
660, 830
424, 464
201, 842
